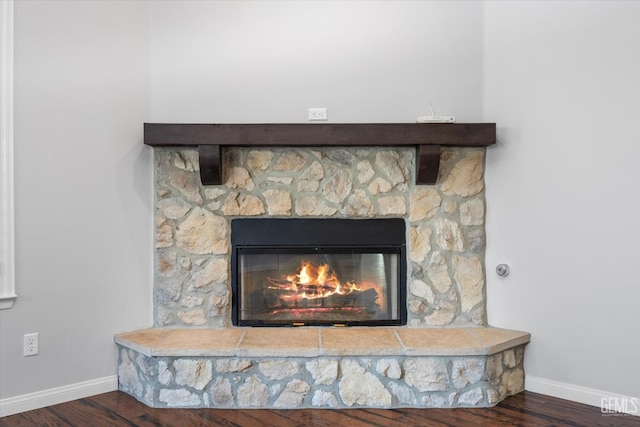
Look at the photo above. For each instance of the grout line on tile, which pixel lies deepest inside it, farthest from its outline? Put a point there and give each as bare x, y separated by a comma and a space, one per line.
236, 349
165, 335
485, 346
397, 335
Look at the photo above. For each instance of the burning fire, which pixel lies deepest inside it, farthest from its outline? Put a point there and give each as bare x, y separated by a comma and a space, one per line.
311, 282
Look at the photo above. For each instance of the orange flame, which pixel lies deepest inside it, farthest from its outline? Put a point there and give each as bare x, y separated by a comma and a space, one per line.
311, 282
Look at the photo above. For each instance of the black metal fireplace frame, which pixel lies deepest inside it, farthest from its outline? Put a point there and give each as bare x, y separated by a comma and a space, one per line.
386, 235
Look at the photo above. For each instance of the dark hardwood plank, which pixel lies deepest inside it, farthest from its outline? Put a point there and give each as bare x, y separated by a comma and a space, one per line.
120, 409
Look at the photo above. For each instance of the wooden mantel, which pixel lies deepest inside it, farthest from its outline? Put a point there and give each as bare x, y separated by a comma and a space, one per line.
428, 138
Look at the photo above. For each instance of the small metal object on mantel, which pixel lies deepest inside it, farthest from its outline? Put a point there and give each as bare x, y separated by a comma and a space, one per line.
428, 138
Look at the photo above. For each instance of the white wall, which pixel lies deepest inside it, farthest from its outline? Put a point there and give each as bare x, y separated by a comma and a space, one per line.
562, 81
225, 62
83, 191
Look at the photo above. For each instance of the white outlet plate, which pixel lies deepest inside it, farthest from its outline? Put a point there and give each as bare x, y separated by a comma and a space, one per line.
31, 344
318, 114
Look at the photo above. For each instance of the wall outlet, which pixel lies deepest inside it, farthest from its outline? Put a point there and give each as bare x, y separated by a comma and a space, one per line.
31, 344
318, 114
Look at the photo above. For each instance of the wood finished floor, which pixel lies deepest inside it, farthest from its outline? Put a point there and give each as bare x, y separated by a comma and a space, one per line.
119, 409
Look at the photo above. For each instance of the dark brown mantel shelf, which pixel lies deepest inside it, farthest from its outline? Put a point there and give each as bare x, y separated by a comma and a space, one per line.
428, 138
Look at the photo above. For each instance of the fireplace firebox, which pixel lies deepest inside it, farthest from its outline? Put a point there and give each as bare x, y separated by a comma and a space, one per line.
318, 272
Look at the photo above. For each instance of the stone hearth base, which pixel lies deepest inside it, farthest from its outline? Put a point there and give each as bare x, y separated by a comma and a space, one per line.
321, 367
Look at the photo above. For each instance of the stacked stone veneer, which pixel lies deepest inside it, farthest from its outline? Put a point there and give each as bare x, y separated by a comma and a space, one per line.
445, 223
445, 251
324, 382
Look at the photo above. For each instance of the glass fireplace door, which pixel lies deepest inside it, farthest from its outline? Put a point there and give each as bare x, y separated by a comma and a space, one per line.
318, 286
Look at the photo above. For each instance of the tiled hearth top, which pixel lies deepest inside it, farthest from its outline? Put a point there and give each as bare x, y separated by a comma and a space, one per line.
312, 342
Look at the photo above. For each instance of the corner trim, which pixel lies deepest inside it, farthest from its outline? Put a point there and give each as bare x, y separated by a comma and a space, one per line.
54, 396
7, 251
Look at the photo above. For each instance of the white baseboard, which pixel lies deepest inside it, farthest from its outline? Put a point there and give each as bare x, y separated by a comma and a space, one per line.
53, 396
589, 396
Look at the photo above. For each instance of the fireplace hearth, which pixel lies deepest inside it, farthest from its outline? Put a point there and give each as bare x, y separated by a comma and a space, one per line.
318, 272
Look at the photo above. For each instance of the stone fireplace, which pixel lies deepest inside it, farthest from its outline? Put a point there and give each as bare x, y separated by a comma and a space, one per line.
445, 223
197, 356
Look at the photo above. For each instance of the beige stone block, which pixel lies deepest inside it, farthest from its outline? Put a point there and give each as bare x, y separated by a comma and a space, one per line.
424, 203
358, 205
355, 341
313, 206
259, 160
164, 233
274, 342
378, 186
203, 233
324, 399
392, 205
173, 208
513, 381
449, 206
187, 184
443, 314
215, 271
449, 235
221, 393
472, 212
144, 341
498, 339
469, 277
278, 202
212, 193
167, 262
199, 342
193, 317
358, 387
187, 160
389, 368
337, 186
310, 178
242, 204
394, 166
290, 161
193, 373
438, 272
180, 398
420, 241
426, 374
227, 365
238, 177
279, 369
293, 394
365, 171
440, 342
253, 393
421, 290
466, 177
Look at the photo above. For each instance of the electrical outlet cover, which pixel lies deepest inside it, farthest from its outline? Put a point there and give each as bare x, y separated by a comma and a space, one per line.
31, 344
318, 114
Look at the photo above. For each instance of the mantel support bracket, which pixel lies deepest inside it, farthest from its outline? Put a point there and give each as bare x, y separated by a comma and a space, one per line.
210, 164
427, 164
